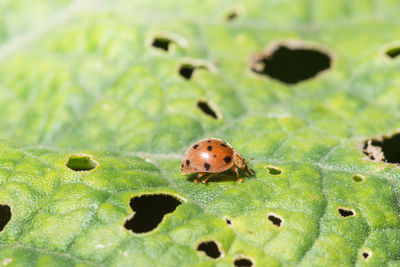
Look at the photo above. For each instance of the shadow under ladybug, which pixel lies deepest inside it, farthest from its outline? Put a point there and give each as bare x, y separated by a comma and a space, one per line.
226, 176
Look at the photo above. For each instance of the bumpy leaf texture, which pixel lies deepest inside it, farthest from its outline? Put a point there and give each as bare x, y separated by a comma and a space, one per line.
99, 100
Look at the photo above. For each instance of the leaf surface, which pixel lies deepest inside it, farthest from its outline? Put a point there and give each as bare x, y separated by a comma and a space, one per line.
86, 79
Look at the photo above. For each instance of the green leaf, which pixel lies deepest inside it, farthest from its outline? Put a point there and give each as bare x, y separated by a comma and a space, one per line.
99, 101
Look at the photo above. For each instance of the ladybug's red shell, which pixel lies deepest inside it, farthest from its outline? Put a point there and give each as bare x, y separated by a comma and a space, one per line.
208, 155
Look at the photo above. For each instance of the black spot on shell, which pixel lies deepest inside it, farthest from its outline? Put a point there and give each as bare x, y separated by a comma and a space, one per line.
195, 146
207, 166
223, 145
209, 141
187, 162
209, 148
215, 156
227, 159
181, 165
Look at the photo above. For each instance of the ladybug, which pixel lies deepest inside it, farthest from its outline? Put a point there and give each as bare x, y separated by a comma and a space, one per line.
212, 156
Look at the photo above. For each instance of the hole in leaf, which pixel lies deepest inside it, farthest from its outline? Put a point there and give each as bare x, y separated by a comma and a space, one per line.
366, 254
358, 178
162, 43
346, 212
149, 210
186, 71
383, 149
273, 170
231, 16
81, 162
210, 248
234, 13
190, 66
373, 153
243, 262
393, 52
228, 221
291, 65
5, 216
205, 107
275, 219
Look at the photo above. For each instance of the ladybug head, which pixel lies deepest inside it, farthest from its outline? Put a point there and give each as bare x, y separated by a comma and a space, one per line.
241, 163
239, 160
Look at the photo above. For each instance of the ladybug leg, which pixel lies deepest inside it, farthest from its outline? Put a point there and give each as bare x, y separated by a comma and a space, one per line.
235, 169
248, 171
208, 177
201, 174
